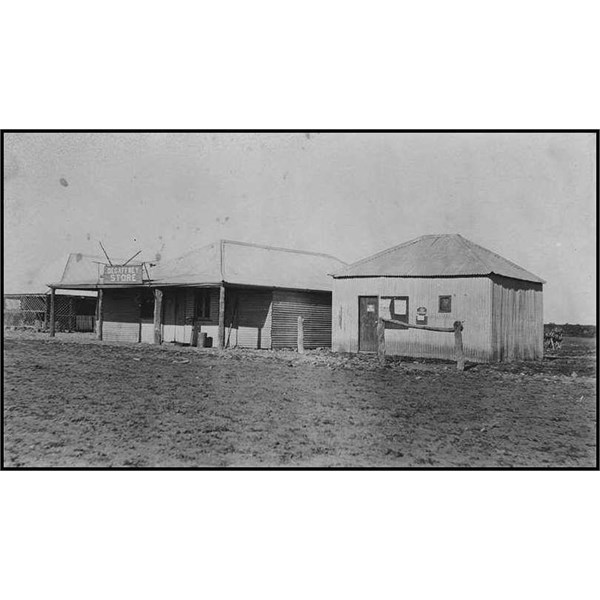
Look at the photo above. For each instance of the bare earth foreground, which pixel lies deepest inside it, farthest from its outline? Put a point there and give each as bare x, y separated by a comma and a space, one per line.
73, 401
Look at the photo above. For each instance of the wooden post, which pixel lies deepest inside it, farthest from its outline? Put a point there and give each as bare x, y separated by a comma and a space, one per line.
158, 298
47, 316
52, 312
195, 324
71, 315
194, 334
458, 346
221, 335
100, 315
381, 341
300, 335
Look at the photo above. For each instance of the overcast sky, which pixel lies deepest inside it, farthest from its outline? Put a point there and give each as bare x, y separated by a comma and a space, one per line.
528, 197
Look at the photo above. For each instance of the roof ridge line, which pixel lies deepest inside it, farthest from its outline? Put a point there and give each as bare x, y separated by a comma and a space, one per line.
292, 250
170, 260
504, 258
466, 243
64, 271
384, 252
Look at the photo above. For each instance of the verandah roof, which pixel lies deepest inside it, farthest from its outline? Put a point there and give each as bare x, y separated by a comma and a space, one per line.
235, 263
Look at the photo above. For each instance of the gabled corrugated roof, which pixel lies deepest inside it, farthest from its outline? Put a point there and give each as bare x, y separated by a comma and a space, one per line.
197, 266
241, 263
84, 270
448, 255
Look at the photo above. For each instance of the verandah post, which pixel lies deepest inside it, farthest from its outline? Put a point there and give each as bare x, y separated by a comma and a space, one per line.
300, 335
52, 312
100, 314
381, 341
221, 334
458, 346
158, 297
72, 320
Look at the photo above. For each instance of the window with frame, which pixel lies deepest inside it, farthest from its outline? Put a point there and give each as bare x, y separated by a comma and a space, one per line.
394, 307
203, 304
445, 304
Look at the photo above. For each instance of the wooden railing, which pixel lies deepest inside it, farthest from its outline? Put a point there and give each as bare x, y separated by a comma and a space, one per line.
457, 330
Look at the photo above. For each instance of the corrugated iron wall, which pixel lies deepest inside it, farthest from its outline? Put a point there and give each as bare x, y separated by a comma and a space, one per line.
316, 310
121, 311
517, 320
471, 303
250, 312
85, 323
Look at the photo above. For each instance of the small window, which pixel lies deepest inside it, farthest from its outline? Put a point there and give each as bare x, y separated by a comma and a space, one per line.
203, 304
445, 304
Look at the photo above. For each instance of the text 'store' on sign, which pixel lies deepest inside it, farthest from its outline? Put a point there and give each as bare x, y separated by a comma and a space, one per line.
127, 274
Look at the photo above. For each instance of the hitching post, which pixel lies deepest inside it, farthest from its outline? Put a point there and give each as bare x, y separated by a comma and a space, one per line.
300, 335
52, 311
381, 341
458, 346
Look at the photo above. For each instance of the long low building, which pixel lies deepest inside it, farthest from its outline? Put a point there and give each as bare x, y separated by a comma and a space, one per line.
237, 294
433, 281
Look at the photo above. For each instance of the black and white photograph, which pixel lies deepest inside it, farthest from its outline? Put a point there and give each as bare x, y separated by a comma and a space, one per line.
299, 300
307, 299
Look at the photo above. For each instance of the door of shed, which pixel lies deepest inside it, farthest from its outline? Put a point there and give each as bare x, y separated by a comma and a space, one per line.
368, 313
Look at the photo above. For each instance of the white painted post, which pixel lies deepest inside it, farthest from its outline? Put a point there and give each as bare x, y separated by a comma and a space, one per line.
300, 335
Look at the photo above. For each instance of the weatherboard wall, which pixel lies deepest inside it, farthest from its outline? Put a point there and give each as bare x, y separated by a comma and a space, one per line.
247, 317
179, 315
254, 318
121, 316
471, 304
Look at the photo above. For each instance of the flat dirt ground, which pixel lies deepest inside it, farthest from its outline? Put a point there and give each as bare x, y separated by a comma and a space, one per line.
72, 401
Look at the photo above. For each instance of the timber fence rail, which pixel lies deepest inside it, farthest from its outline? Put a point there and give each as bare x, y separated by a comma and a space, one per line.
457, 329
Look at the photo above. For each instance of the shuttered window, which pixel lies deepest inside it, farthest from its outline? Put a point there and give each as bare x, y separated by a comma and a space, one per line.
445, 304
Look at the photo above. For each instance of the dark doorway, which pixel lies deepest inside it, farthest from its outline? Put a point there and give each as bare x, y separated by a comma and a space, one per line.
368, 313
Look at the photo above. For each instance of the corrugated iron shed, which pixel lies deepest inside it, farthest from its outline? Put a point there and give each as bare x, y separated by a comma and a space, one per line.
447, 255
